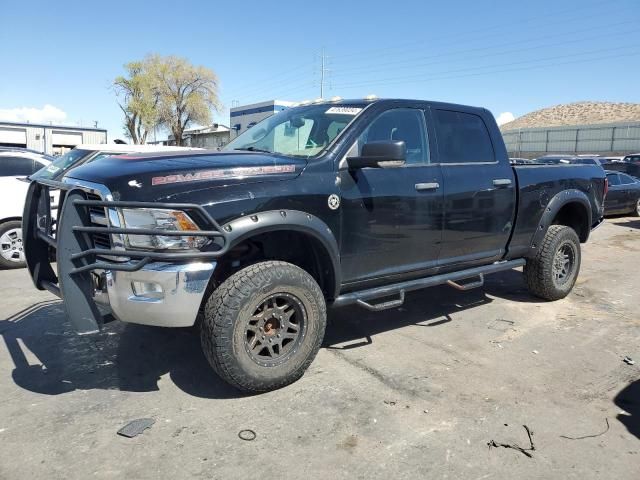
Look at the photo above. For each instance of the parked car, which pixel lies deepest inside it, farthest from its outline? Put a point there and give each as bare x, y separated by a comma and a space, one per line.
87, 153
605, 160
330, 204
46, 167
15, 165
629, 165
623, 195
555, 159
584, 160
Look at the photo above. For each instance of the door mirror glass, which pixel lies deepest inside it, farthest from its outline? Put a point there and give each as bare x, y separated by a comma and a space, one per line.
380, 154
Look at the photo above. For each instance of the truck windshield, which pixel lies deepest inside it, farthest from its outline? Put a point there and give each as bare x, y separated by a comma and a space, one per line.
60, 164
299, 132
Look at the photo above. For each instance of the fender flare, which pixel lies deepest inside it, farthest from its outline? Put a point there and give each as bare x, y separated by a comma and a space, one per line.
553, 207
243, 228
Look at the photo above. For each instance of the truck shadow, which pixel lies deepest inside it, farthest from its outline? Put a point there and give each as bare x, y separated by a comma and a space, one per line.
49, 358
628, 399
625, 222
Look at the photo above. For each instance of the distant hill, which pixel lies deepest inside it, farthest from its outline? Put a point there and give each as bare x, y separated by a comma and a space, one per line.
579, 113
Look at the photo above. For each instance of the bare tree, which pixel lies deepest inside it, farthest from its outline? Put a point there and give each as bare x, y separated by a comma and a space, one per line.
186, 93
138, 100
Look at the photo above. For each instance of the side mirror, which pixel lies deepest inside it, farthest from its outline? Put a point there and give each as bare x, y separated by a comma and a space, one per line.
384, 153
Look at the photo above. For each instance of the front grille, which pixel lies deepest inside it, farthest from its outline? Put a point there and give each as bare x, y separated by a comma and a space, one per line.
98, 216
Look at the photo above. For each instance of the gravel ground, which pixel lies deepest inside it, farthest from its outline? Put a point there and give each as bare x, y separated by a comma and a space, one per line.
415, 392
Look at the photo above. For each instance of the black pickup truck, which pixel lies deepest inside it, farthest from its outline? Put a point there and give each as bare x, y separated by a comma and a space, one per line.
324, 204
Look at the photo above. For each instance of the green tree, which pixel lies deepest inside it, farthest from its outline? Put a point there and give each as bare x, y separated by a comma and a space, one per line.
138, 100
186, 93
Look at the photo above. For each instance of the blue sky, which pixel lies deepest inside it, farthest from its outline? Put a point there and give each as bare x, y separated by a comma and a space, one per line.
507, 56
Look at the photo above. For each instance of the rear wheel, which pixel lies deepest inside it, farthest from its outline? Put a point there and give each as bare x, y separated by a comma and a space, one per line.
11, 248
263, 326
636, 212
553, 272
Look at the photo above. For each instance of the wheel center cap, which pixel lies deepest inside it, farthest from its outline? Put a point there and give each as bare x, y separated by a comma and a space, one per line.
271, 326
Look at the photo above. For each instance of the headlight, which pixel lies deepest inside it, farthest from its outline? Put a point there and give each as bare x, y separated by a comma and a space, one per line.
160, 219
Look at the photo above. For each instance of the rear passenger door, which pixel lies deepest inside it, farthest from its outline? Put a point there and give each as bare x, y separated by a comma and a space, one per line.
479, 188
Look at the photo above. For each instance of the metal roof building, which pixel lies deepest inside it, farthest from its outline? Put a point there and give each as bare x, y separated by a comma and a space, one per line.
50, 139
244, 117
608, 139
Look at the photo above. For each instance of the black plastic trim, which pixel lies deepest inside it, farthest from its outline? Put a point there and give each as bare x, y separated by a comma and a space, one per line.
553, 207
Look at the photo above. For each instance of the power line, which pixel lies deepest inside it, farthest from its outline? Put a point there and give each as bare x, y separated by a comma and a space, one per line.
411, 62
378, 52
411, 78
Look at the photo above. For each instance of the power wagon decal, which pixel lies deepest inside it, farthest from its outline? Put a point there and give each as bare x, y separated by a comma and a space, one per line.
222, 173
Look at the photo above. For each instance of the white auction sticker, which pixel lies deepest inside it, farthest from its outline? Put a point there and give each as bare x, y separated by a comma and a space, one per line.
345, 110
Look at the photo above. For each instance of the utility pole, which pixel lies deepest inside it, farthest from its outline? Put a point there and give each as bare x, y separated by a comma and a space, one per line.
323, 72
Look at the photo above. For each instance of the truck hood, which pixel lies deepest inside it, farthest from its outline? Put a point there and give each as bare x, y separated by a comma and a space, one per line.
152, 176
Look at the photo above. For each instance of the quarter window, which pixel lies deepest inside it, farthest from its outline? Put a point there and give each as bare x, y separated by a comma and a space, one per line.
406, 124
462, 138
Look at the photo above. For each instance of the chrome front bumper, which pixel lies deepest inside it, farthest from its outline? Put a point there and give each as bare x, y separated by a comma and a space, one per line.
160, 294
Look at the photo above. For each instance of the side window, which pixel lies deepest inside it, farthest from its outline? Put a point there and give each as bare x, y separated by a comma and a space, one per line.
16, 166
626, 179
462, 138
405, 124
613, 179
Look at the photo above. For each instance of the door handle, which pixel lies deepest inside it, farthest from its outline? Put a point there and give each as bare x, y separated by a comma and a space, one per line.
427, 186
502, 182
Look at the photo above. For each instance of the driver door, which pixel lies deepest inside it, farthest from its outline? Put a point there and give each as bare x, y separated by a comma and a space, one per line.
392, 217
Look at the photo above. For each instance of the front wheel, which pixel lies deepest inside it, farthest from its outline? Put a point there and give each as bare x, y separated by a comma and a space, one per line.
263, 326
553, 272
11, 248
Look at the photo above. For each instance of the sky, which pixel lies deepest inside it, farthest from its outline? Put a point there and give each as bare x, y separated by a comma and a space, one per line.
59, 58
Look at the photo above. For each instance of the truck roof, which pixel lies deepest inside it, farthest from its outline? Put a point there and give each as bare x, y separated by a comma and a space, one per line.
369, 101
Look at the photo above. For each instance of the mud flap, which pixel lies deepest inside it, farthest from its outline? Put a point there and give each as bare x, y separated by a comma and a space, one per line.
76, 288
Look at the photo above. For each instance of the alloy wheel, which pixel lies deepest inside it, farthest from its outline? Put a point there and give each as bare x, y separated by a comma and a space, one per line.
276, 329
11, 247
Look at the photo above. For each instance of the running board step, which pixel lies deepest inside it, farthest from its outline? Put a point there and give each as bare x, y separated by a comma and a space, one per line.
364, 297
384, 305
467, 286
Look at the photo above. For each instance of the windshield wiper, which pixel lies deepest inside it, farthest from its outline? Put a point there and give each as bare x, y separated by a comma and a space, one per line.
254, 149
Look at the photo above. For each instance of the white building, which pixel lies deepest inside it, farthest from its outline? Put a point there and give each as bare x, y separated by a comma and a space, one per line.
50, 139
244, 117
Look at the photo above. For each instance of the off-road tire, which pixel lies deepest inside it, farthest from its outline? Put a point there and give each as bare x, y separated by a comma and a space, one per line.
4, 228
636, 211
226, 317
539, 271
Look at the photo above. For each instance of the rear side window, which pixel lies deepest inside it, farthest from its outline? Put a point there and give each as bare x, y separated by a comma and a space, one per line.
462, 138
626, 179
17, 166
613, 179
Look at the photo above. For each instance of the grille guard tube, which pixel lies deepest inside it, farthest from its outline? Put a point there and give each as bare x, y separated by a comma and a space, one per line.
76, 289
